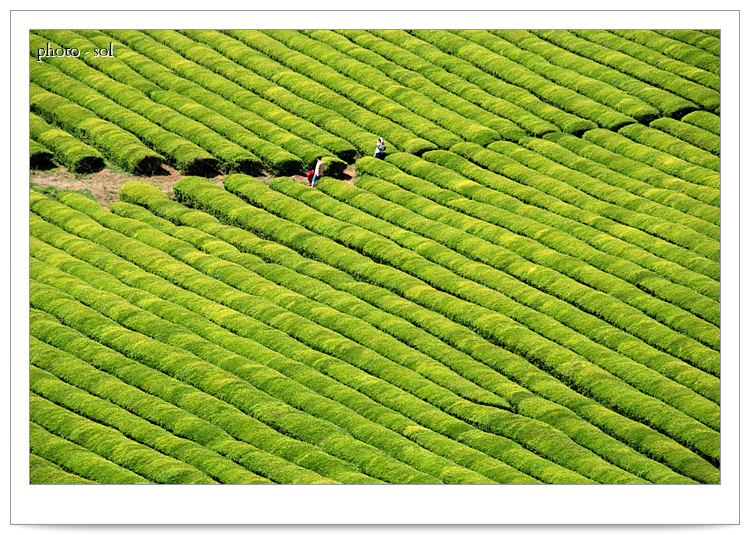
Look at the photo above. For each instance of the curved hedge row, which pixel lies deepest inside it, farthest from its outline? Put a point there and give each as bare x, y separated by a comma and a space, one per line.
705, 121
652, 67
409, 68
39, 156
488, 222
104, 383
486, 186
262, 117
637, 178
674, 49
44, 472
521, 76
527, 432
246, 439
398, 446
195, 191
360, 71
79, 460
667, 103
564, 76
409, 270
119, 145
92, 407
416, 203
709, 198
664, 142
465, 340
185, 155
597, 330
482, 443
340, 93
693, 135
302, 96
519, 96
442, 87
163, 86
695, 38
110, 443
658, 159
501, 164
621, 296
598, 197
149, 115
69, 151
189, 369
265, 379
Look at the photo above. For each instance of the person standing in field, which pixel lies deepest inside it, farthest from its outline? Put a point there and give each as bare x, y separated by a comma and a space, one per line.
380, 149
319, 166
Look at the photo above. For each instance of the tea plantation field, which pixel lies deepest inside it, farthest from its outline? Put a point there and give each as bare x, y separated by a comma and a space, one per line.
524, 290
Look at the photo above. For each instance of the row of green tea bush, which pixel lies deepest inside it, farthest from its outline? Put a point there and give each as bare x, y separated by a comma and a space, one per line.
520, 370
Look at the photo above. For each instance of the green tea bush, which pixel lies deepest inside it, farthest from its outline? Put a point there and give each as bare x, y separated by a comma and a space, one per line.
705, 121
640, 179
491, 84
696, 38
324, 85
244, 437
39, 156
616, 203
408, 68
210, 463
186, 156
215, 200
667, 163
415, 100
113, 445
261, 116
617, 99
667, 103
44, 472
674, 49
107, 303
70, 152
649, 65
673, 145
518, 75
78, 460
117, 144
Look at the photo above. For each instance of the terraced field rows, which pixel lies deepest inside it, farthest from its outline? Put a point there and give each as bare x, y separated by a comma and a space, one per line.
526, 289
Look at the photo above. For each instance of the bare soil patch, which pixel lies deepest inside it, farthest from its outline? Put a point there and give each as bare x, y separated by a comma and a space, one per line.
105, 185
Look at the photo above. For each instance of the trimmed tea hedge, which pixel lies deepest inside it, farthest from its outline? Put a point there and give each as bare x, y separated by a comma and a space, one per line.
173, 128
491, 84
403, 66
652, 67
39, 156
610, 96
674, 49
70, 152
119, 145
513, 73
667, 103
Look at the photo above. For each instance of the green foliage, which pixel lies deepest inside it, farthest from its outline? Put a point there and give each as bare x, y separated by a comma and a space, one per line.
39, 156
493, 85
515, 295
649, 65
117, 144
674, 49
516, 74
555, 52
70, 152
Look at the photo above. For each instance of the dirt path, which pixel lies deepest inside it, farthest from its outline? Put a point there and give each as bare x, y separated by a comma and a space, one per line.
105, 185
